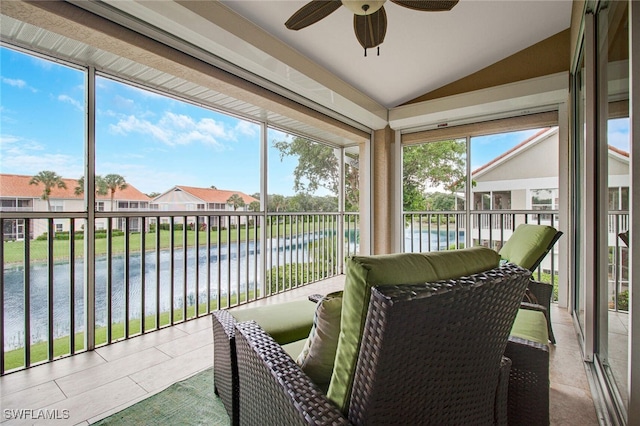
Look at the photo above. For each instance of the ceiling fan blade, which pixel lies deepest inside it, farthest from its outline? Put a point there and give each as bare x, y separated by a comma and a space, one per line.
427, 5
311, 13
370, 29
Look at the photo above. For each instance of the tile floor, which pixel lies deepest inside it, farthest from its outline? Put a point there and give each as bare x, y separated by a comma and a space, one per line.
90, 386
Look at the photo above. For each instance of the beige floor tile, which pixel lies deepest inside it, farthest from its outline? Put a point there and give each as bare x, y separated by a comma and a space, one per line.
139, 343
176, 369
34, 376
92, 403
195, 325
571, 406
187, 343
91, 378
32, 398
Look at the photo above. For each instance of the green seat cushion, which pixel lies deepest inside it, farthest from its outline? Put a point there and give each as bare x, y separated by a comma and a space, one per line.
294, 348
364, 272
286, 322
527, 244
531, 325
317, 357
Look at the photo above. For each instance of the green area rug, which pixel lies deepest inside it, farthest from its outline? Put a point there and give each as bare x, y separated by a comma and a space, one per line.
189, 402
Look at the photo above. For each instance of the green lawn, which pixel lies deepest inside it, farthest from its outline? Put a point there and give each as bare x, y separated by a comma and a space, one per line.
61, 345
14, 250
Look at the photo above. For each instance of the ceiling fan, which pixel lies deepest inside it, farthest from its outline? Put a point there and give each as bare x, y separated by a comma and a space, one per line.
369, 19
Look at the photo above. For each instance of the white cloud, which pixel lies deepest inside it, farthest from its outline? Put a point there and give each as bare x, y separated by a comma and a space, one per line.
19, 83
68, 99
247, 128
27, 157
176, 129
14, 82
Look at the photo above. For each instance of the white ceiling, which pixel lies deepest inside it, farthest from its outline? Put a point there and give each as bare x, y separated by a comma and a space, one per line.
323, 66
422, 51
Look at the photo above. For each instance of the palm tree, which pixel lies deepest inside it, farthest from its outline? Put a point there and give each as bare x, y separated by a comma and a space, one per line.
236, 201
49, 180
101, 188
254, 206
113, 183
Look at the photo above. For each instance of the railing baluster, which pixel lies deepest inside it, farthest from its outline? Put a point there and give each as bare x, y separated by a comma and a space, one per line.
207, 221
185, 247
157, 253
50, 262
109, 276
72, 286
127, 283
142, 273
171, 268
237, 262
228, 233
218, 263
27, 293
196, 228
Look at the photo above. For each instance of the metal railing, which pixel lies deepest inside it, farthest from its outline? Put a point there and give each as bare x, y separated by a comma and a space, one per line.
151, 270
450, 230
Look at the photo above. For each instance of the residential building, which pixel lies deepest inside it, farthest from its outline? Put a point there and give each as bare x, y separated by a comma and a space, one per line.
17, 194
202, 200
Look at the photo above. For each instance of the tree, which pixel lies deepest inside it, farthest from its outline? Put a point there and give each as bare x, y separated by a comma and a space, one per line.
236, 201
49, 180
153, 194
254, 206
276, 203
101, 188
319, 167
113, 183
436, 164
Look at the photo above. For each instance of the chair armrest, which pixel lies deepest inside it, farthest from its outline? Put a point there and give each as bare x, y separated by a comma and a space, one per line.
225, 368
533, 307
273, 388
502, 394
315, 298
542, 292
528, 382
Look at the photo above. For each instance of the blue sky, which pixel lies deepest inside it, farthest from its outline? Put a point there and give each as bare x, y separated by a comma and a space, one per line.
154, 141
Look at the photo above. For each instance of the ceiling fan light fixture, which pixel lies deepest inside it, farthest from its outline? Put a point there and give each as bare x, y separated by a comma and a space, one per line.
363, 7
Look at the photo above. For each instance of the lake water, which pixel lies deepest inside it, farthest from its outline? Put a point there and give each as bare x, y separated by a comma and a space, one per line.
234, 266
432, 240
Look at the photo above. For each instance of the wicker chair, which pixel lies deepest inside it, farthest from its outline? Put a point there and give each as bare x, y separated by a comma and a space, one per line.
529, 256
430, 354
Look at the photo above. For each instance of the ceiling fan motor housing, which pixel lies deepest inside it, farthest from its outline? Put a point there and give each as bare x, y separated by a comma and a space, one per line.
363, 7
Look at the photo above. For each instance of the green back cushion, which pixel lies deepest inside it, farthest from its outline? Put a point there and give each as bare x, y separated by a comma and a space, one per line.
317, 356
285, 322
527, 244
364, 272
531, 325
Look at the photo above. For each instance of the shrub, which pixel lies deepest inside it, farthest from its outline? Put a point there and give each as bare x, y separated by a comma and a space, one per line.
623, 300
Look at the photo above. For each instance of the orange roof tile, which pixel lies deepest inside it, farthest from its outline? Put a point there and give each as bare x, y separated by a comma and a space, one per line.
211, 195
18, 186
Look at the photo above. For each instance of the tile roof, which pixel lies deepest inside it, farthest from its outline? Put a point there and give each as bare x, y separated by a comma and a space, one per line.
211, 195
18, 186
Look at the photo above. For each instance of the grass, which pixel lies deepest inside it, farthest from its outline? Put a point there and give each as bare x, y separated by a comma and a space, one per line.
38, 249
278, 279
61, 345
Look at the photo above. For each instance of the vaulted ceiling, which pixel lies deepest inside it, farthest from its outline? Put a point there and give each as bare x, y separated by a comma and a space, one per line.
324, 65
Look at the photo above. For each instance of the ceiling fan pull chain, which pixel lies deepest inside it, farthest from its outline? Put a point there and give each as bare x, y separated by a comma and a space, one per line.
365, 52
378, 50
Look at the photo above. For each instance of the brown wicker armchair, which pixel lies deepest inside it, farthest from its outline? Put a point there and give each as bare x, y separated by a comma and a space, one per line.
430, 354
